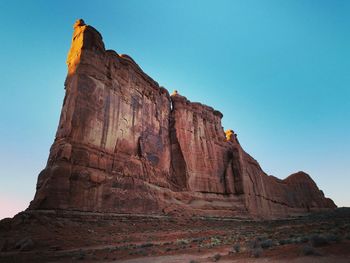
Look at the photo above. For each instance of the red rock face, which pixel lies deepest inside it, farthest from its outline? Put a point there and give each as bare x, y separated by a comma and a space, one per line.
124, 145
201, 140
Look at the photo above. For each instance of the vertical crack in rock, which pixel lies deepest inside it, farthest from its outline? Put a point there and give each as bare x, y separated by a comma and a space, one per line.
106, 118
237, 173
178, 162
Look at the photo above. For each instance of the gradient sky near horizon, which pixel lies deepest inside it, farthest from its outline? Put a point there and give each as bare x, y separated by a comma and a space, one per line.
277, 70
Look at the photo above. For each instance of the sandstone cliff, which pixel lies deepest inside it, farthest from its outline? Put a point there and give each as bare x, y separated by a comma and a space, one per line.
125, 145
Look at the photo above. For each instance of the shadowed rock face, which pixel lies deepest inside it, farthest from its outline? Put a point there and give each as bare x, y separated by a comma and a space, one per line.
125, 145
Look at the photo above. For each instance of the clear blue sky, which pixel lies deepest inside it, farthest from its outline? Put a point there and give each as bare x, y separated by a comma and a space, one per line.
277, 70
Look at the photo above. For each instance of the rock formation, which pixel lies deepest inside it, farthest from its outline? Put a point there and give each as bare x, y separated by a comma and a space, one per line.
125, 145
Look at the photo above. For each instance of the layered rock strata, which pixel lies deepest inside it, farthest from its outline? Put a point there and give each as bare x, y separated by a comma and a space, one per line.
124, 145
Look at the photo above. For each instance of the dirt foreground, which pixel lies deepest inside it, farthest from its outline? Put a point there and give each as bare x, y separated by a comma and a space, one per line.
58, 236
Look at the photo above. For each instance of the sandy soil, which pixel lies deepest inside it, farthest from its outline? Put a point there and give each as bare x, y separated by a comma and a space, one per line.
57, 236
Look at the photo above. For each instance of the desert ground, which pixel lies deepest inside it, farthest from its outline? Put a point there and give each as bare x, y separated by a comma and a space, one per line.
61, 236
